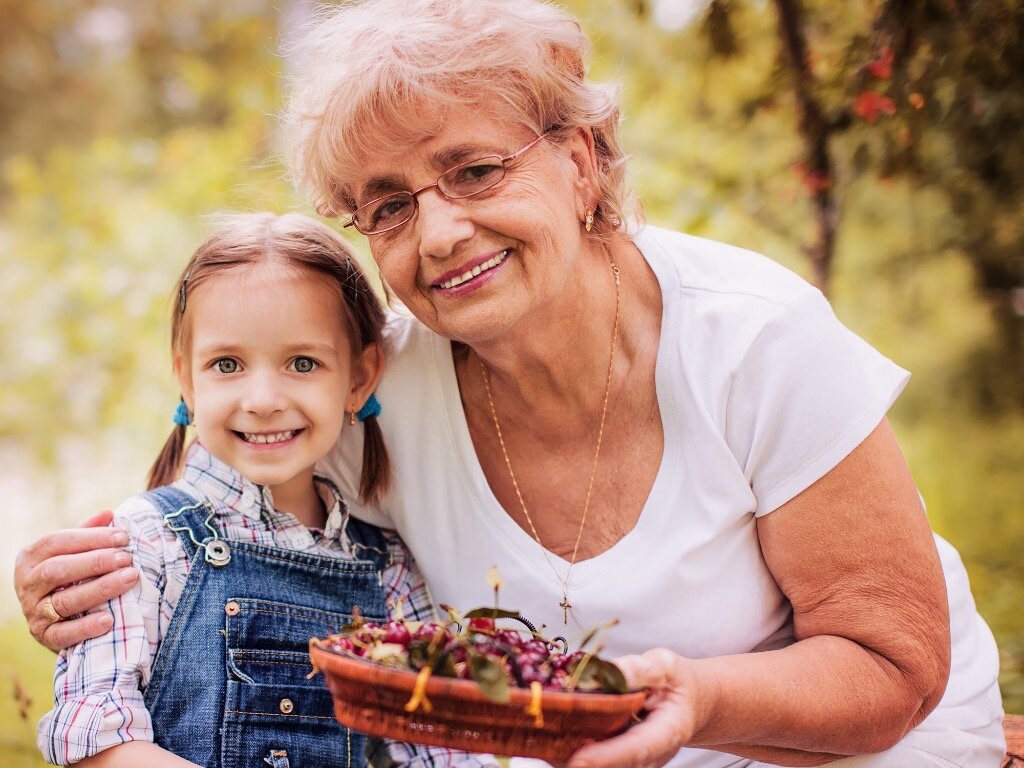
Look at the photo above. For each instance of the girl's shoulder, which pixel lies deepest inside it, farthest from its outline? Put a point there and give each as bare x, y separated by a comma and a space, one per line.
142, 517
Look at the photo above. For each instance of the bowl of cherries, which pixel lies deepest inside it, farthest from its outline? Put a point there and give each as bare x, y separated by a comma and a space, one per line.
484, 681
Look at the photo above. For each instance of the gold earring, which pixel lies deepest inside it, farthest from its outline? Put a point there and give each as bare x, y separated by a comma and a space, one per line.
352, 417
588, 223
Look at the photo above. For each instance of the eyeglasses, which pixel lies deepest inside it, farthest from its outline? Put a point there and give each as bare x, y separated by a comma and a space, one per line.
465, 180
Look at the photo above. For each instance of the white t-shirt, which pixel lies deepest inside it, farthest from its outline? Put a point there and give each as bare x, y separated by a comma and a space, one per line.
761, 391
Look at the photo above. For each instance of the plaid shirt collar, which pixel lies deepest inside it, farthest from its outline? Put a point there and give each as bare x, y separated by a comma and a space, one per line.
223, 484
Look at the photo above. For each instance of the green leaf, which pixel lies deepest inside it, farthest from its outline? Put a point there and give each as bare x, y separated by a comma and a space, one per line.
596, 674
493, 613
489, 674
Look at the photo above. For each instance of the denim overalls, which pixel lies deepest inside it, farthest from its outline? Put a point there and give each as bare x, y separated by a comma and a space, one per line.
228, 687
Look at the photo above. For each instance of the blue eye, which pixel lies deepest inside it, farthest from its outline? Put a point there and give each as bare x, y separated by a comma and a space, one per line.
226, 365
304, 365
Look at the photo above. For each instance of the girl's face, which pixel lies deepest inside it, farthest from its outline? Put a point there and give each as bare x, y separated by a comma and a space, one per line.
269, 372
474, 269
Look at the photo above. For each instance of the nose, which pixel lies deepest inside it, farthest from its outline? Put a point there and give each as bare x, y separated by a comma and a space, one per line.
264, 394
441, 223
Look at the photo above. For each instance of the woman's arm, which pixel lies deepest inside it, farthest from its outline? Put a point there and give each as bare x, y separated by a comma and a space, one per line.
134, 754
855, 556
80, 568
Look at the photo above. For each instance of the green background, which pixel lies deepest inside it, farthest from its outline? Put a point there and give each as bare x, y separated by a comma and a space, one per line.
122, 124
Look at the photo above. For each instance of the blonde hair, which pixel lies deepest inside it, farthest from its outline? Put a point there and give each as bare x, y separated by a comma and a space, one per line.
372, 68
251, 240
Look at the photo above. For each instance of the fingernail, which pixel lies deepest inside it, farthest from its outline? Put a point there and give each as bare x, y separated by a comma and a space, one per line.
105, 621
120, 538
122, 559
127, 575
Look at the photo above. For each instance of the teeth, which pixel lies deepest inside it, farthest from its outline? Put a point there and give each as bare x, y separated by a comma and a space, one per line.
273, 437
471, 273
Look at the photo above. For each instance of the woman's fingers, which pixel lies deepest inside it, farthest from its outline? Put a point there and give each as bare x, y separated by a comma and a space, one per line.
62, 557
667, 726
70, 541
62, 634
80, 597
47, 572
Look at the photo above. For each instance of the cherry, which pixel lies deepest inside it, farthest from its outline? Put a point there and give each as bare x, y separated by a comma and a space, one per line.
535, 645
509, 637
396, 632
430, 630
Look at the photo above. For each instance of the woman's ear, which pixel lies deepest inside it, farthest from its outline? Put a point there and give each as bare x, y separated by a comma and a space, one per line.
583, 154
367, 368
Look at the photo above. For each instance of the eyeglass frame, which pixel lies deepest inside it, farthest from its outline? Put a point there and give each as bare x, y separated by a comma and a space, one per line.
414, 195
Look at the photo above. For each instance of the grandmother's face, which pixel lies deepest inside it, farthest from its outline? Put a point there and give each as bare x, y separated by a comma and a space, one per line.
479, 268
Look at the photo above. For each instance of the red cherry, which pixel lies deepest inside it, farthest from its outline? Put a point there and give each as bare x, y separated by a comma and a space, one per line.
481, 623
536, 646
429, 630
396, 632
509, 637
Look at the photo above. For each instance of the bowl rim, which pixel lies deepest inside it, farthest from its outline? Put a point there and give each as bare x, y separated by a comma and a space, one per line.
343, 664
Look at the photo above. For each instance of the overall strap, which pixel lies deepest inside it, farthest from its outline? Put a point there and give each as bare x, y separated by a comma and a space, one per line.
192, 520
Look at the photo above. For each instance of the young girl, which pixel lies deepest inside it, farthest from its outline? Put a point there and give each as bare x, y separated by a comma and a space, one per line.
276, 341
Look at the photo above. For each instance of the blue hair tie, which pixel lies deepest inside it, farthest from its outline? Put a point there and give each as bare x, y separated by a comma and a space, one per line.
181, 415
370, 409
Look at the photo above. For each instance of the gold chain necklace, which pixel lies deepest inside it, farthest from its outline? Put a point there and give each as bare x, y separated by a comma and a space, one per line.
565, 605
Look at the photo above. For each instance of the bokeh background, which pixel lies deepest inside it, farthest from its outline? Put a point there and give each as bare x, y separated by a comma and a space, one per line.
874, 147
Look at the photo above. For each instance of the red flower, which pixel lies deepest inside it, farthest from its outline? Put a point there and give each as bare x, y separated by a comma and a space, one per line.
881, 67
870, 104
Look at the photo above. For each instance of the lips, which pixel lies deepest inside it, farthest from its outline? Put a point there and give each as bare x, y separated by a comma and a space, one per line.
453, 280
265, 438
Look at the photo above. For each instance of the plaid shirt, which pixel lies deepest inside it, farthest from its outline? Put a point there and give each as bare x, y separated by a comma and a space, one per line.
98, 684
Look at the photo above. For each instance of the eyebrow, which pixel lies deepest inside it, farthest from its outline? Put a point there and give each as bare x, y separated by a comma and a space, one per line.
223, 350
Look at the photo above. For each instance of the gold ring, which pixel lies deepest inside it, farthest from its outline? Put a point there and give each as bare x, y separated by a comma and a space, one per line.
51, 613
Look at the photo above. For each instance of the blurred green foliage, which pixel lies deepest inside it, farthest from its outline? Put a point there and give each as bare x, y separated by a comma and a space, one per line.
122, 124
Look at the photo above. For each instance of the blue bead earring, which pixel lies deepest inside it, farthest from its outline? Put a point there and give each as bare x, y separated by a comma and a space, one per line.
181, 415
370, 408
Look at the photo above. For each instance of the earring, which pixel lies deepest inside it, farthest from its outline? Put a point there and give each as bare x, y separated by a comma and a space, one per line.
588, 223
182, 417
352, 418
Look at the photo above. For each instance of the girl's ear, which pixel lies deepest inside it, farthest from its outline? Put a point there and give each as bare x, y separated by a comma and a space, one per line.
184, 375
367, 368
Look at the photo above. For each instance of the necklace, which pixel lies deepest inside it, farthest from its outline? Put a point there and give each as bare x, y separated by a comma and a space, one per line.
565, 605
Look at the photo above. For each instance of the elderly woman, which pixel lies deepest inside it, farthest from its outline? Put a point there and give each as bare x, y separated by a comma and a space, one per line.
631, 423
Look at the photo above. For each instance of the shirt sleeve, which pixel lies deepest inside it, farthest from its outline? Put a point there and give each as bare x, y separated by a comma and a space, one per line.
404, 585
807, 392
98, 683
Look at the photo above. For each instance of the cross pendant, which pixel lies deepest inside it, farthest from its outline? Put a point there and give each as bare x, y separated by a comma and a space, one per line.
565, 606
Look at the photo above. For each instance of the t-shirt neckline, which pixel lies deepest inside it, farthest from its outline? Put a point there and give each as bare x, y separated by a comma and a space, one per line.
492, 516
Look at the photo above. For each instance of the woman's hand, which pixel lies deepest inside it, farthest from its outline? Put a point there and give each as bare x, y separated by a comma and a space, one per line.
671, 684
72, 571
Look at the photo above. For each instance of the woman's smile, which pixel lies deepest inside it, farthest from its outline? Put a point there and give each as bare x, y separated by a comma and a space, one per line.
471, 275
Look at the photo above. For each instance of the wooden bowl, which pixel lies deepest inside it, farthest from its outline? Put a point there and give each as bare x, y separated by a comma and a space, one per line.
371, 698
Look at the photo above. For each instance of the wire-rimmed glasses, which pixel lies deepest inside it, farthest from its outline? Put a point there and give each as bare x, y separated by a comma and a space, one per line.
389, 212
